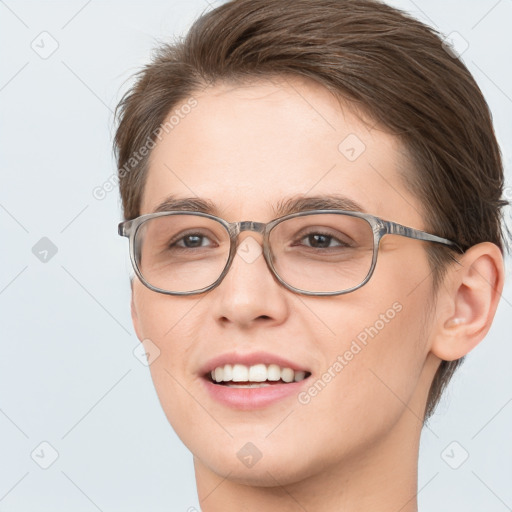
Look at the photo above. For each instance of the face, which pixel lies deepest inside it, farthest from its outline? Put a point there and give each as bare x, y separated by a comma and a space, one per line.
365, 354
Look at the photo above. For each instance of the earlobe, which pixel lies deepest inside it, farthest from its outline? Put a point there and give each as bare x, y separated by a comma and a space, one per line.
470, 297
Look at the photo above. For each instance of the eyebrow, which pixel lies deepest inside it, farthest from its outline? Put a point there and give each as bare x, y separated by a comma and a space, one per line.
286, 206
302, 203
189, 204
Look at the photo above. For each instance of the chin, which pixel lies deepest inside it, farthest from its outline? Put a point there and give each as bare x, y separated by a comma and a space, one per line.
263, 474
259, 464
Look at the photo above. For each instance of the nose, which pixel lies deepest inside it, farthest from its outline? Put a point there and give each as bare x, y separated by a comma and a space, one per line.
249, 293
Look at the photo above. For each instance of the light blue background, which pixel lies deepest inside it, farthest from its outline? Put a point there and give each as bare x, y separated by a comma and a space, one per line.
68, 375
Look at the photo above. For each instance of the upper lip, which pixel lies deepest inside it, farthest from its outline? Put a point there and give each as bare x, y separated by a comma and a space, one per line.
249, 359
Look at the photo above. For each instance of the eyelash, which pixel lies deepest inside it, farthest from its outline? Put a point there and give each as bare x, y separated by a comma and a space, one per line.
331, 238
175, 241
328, 235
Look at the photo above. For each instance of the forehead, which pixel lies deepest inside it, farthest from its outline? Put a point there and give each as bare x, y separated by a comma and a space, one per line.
249, 147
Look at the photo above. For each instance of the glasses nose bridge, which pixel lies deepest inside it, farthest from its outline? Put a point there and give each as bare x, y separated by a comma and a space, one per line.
249, 225
236, 229
246, 225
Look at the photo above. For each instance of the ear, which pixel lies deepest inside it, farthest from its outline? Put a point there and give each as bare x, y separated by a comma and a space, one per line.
467, 301
135, 316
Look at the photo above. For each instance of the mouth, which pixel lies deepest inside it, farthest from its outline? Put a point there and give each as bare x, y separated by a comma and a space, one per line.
252, 381
260, 375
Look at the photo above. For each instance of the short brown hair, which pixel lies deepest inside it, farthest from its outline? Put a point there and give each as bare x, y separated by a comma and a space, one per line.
383, 62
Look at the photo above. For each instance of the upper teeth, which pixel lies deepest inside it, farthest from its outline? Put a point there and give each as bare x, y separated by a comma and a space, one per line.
255, 373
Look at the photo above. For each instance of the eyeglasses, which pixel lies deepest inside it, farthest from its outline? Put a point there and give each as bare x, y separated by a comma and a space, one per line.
317, 252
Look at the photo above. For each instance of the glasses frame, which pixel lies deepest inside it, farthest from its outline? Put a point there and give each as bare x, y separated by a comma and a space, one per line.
380, 228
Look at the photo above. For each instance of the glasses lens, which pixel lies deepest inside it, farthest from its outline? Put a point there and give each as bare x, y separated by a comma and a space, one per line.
322, 252
181, 253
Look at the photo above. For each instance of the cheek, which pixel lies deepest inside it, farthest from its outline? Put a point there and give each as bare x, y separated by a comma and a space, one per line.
389, 371
375, 357
168, 322
383, 339
157, 314
370, 379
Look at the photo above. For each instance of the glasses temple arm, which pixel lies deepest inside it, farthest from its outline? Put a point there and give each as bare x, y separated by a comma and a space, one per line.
393, 228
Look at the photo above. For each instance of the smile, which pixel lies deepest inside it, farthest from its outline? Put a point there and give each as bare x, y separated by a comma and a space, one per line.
254, 376
252, 381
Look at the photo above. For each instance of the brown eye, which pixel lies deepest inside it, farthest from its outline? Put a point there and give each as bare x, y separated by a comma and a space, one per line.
191, 241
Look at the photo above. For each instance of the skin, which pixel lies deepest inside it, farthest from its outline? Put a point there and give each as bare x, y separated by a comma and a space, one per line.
354, 446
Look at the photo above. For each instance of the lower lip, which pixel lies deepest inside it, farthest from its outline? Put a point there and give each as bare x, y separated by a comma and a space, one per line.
252, 398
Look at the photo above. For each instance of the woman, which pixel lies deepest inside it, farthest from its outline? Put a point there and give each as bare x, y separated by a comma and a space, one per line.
312, 192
